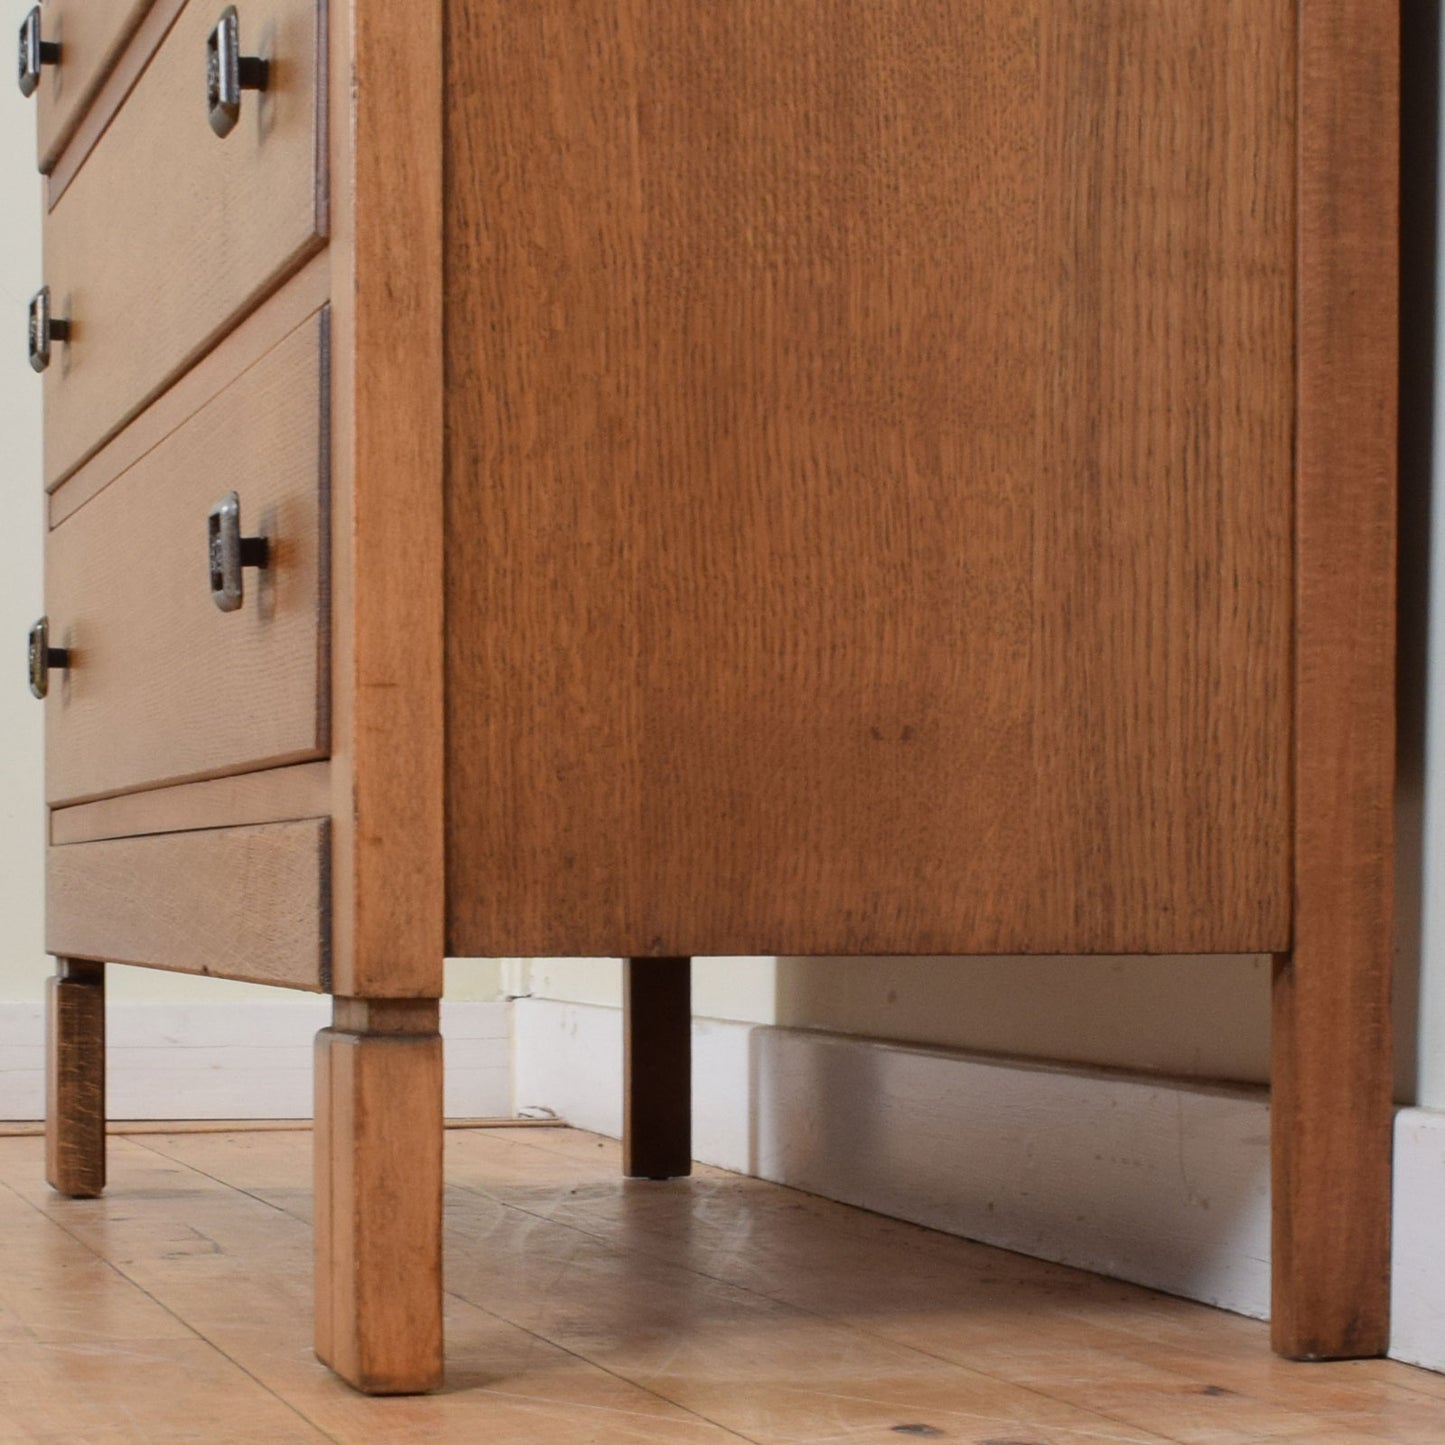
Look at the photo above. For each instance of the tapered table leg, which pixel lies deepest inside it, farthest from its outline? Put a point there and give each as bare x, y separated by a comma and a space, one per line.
657, 1068
379, 1195
75, 1080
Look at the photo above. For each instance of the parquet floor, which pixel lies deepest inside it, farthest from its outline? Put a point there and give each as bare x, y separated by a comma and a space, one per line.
585, 1309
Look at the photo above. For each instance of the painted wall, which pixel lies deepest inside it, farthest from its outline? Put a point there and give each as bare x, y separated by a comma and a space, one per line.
22, 962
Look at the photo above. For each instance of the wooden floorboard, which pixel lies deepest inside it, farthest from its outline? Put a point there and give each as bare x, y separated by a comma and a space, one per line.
582, 1307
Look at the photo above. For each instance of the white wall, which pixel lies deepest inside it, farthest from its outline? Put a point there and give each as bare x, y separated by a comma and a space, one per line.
22, 961
1190, 1017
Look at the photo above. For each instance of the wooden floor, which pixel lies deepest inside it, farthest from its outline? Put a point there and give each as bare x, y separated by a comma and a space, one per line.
584, 1309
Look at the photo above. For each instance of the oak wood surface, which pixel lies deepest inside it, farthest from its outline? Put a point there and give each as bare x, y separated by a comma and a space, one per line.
657, 1068
241, 903
161, 685
300, 298
869, 468
276, 795
1332, 1049
90, 37
75, 1079
378, 1213
210, 225
388, 308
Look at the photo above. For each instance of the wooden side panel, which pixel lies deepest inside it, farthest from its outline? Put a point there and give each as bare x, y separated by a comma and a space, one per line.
75, 1080
379, 1208
1332, 1073
869, 473
162, 685
389, 310
209, 225
90, 37
245, 903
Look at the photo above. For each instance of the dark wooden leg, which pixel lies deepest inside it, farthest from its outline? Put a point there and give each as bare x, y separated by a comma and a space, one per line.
379, 1195
657, 1068
75, 1080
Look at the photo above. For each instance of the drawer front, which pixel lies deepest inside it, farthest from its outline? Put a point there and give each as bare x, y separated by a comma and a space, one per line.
246, 903
90, 37
168, 233
162, 686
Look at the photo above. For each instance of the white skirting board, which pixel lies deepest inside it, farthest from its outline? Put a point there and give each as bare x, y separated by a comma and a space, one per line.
1162, 1183
1417, 1319
240, 1060
1156, 1182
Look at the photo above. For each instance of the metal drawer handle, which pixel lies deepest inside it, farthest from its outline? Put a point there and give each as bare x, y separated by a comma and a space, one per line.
230, 553
44, 657
34, 53
228, 73
45, 328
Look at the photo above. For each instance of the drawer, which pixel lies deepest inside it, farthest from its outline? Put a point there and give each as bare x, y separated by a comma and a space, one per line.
247, 903
162, 686
90, 37
168, 233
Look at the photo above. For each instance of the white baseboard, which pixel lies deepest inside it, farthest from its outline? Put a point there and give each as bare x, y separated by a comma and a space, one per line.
1163, 1184
1417, 1323
240, 1061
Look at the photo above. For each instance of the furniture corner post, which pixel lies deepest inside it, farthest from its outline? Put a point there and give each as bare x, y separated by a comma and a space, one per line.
1331, 1123
379, 1135
1332, 1096
657, 1068
75, 1079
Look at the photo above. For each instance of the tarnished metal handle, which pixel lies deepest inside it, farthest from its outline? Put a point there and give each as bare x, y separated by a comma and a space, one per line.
35, 53
43, 658
45, 328
229, 73
230, 554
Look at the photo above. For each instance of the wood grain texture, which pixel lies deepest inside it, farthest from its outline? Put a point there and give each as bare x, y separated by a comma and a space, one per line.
379, 1207
75, 1080
242, 903
300, 298
210, 226
276, 795
657, 1068
91, 38
869, 468
387, 100
803, 1320
1332, 1106
162, 686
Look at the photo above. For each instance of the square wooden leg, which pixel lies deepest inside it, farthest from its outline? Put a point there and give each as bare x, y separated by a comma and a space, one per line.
75, 1080
1331, 1126
379, 1133
657, 1068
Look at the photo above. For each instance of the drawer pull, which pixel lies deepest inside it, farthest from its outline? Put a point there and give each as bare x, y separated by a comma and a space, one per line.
44, 657
34, 53
228, 73
230, 554
45, 328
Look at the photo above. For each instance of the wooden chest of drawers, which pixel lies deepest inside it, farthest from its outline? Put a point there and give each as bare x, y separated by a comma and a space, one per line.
657, 480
